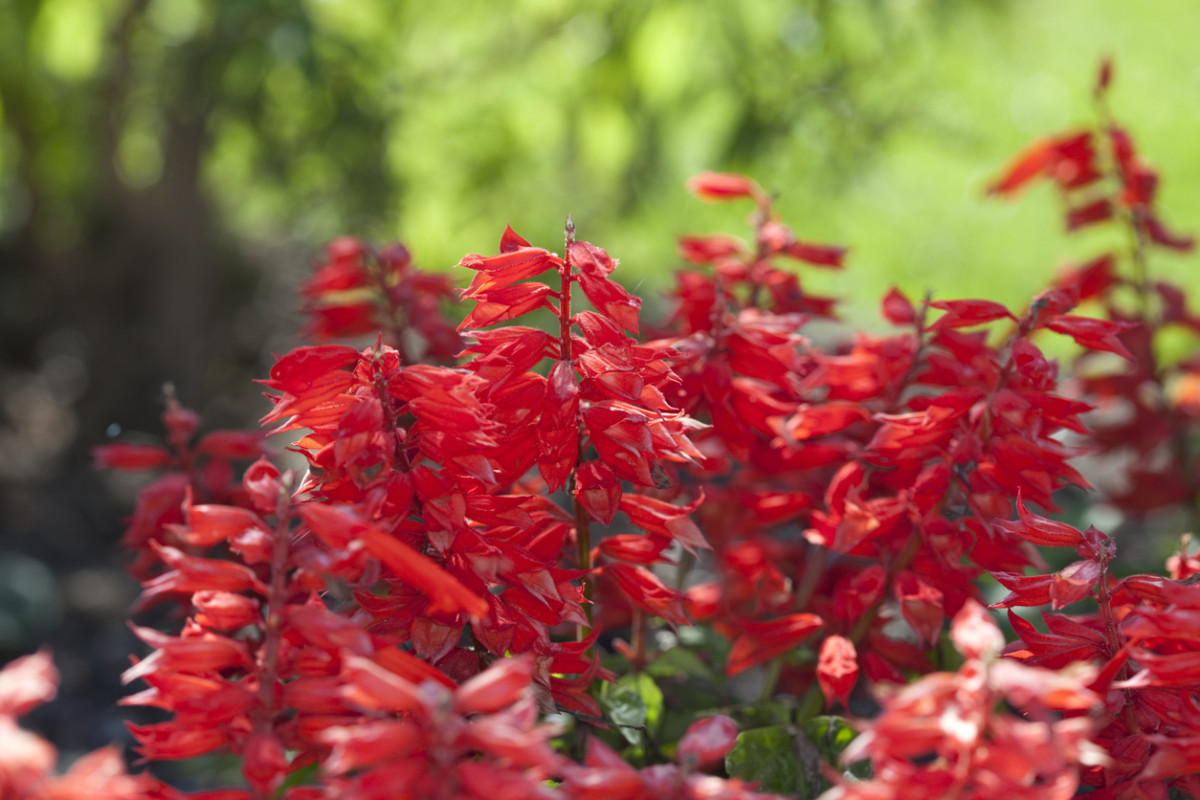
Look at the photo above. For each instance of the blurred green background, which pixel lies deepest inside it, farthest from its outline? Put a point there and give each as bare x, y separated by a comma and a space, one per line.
170, 168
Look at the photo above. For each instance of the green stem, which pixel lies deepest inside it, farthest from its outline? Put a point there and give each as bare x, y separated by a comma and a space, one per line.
268, 677
774, 670
583, 536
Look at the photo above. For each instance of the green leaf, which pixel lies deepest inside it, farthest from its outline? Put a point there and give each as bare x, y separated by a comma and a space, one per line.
831, 735
707, 641
633, 703
769, 712
652, 696
681, 661
769, 757
301, 777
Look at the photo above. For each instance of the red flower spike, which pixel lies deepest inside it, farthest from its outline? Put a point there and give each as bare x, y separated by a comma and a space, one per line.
205, 654
302, 369
1033, 590
837, 669
854, 595
341, 529
558, 435
262, 483
1089, 214
823, 419
706, 742
211, 524
366, 744
167, 741
506, 269
511, 241
1160, 235
589, 259
188, 574
1090, 280
500, 305
633, 549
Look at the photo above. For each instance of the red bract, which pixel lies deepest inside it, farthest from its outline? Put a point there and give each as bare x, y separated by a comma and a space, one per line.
837, 669
723, 186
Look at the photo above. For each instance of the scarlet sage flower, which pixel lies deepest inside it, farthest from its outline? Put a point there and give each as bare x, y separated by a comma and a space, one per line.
27, 761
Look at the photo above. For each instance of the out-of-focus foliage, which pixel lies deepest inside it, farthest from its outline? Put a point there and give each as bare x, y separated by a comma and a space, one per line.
432, 121
315, 118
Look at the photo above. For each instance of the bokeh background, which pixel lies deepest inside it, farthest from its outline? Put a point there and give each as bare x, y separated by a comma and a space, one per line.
169, 170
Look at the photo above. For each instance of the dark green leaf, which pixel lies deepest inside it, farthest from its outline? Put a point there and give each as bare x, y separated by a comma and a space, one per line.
633, 704
769, 757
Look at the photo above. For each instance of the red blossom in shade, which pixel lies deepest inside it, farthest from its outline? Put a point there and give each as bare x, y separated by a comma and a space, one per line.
943, 735
481, 741
27, 761
706, 742
360, 291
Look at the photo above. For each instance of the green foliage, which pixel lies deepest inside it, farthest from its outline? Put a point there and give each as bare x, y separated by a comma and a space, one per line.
431, 121
771, 758
830, 735
634, 704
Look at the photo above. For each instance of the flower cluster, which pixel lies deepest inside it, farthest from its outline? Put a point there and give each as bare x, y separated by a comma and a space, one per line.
534, 553
947, 735
27, 761
1148, 405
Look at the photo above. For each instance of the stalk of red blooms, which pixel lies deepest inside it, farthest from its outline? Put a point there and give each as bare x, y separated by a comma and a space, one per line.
866, 481
1148, 406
